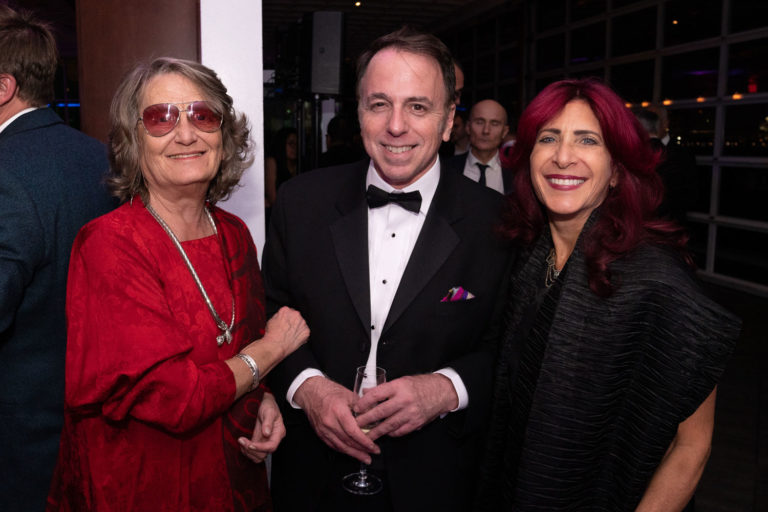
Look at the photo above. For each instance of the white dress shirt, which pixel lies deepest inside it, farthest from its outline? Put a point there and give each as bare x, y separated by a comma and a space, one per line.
392, 234
493, 177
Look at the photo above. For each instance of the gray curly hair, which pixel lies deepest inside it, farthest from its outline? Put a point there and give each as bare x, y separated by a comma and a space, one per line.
125, 179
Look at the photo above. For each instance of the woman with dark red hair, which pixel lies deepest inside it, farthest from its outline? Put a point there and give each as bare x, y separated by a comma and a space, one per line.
605, 392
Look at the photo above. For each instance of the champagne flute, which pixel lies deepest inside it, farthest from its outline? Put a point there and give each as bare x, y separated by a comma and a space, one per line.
362, 482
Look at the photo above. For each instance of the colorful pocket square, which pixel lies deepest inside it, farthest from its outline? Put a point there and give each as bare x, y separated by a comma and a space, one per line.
456, 294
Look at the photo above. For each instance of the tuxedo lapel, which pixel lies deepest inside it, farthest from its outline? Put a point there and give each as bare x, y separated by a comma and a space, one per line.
435, 244
350, 241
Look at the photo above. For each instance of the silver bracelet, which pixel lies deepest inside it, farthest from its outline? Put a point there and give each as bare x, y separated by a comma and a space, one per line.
253, 366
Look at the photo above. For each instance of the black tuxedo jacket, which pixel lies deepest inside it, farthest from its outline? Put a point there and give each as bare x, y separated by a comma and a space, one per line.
456, 164
316, 260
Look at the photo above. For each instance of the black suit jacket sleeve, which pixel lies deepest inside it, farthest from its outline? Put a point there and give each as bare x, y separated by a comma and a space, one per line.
278, 294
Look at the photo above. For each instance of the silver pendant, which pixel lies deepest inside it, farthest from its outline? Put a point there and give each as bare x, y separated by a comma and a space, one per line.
225, 336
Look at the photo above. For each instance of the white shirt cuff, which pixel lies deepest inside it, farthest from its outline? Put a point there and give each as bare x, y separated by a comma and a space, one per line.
299, 380
458, 386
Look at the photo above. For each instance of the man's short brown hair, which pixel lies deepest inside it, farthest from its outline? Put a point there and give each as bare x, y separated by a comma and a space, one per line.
410, 40
28, 53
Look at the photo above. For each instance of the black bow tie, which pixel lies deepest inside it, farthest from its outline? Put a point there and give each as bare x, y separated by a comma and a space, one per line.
376, 197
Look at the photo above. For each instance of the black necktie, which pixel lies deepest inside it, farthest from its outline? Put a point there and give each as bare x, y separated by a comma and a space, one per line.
376, 197
482, 168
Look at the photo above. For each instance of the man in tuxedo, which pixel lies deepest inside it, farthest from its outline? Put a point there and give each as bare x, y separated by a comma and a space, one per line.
393, 263
50, 185
487, 127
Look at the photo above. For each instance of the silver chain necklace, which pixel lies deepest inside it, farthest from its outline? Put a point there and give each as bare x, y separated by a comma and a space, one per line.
226, 330
552, 273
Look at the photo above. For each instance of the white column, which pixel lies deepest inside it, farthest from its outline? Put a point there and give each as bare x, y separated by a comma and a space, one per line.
231, 44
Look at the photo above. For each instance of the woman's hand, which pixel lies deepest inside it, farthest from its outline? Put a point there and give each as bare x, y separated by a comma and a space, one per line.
286, 331
267, 433
288, 328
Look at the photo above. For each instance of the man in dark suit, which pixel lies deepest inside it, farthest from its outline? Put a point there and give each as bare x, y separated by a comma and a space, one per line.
487, 127
50, 185
393, 263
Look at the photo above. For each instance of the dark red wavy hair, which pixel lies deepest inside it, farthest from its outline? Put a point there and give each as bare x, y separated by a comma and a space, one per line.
628, 214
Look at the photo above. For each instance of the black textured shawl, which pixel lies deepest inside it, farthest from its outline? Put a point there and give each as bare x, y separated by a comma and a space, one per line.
615, 377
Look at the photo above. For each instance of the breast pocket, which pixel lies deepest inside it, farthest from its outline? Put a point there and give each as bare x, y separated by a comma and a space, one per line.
457, 308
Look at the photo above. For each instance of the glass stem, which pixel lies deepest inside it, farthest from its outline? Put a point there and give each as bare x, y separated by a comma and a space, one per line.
363, 475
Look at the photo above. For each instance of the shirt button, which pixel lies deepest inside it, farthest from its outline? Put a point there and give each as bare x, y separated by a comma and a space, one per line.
373, 327
393, 235
384, 281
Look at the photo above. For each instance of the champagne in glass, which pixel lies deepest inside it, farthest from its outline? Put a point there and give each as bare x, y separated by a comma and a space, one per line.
362, 482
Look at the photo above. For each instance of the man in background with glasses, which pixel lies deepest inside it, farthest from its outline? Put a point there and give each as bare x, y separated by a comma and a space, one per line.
50, 185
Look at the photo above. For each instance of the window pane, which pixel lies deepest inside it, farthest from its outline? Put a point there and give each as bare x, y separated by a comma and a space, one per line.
693, 129
508, 96
486, 70
509, 63
550, 52
691, 20
486, 36
541, 83
746, 130
748, 72
550, 14
690, 75
469, 81
626, 36
511, 27
633, 82
67, 83
697, 244
703, 189
748, 14
581, 9
469, 75
464, 50
622, 3
588, 43
484, 93
741, 254
598, 73
68, 112
743, 192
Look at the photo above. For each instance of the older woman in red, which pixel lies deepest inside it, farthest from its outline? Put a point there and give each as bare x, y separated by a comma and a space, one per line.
164, 406
605, 390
